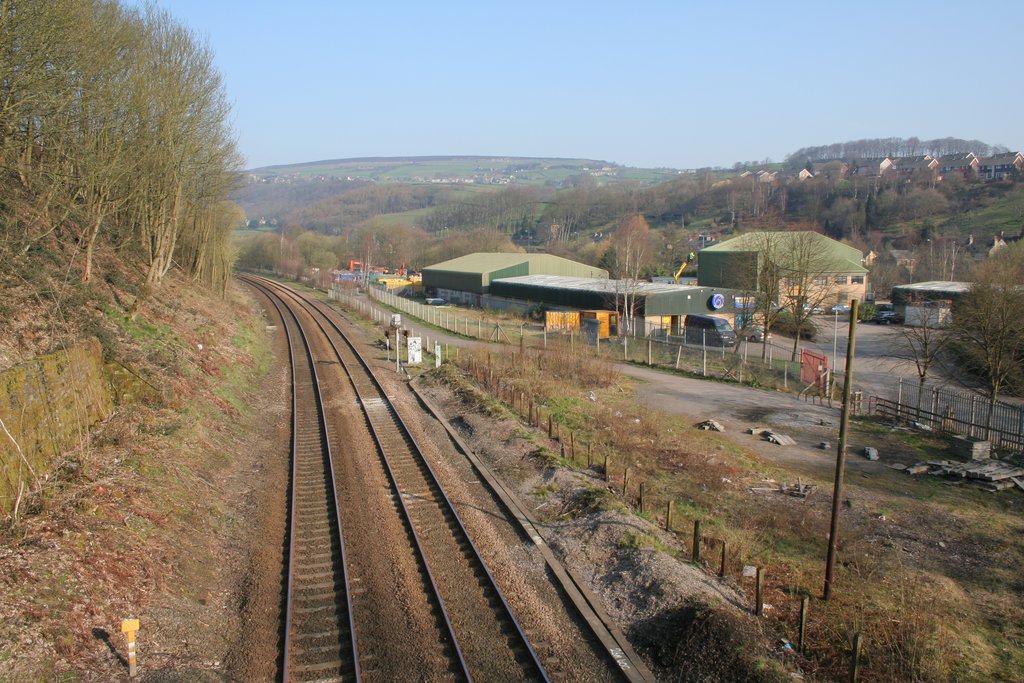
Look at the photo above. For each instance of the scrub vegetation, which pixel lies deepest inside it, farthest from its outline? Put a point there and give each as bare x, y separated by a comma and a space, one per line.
928, 572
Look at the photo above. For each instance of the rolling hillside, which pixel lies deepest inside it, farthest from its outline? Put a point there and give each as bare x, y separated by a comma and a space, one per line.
488, 170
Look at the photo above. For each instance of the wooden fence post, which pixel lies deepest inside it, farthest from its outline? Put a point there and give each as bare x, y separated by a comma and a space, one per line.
669, 508
721, 567
643, 492
625, 483
759, 592
696, 541
803, 624
855, 659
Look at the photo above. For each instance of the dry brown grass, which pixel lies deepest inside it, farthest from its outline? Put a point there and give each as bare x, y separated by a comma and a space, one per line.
119, 516
919, 624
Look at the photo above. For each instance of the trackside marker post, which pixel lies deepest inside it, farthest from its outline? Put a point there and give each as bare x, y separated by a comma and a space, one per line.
129, 627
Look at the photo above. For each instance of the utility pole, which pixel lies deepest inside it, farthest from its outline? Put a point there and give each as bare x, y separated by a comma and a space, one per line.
844, 419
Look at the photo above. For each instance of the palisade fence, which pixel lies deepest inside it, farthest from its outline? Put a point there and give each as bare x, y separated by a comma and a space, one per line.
955, 412
644, 343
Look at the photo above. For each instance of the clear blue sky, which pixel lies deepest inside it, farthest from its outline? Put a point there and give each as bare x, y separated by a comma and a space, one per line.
680, 84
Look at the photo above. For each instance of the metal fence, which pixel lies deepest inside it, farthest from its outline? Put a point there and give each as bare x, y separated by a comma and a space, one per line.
955, 412
645, 343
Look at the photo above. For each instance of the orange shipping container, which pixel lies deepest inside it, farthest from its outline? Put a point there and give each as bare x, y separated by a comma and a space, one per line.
562, 321
609, 322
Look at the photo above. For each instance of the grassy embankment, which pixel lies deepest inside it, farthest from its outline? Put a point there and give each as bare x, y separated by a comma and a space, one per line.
928, 571
130, 515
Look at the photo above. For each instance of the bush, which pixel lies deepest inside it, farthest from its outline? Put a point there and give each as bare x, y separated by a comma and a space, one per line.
786, 324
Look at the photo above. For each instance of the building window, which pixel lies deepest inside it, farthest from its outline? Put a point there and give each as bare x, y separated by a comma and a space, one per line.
840, 279
857, 280
819, 280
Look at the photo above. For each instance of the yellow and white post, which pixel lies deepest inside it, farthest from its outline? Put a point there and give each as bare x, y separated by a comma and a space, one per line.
129, 627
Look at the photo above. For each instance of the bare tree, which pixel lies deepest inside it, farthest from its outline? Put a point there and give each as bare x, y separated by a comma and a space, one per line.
103, 154
113, 131
923, 345
766, 280
807, 273
631, 242
988, 329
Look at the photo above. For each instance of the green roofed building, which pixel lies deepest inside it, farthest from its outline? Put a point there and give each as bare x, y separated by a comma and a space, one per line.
467, 278
811, 267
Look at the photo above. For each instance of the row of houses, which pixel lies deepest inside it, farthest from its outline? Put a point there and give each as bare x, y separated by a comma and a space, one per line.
969, 165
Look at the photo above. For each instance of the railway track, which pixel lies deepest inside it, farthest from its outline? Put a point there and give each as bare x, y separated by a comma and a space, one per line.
319, 642
476, 630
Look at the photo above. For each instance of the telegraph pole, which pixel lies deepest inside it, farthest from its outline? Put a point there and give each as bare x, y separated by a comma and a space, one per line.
844, 419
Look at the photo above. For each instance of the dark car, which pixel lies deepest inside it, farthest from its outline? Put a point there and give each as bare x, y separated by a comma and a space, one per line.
709, 330
887, 317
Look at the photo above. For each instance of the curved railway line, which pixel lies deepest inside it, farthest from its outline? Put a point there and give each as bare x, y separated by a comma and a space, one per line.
335, 629
319, 640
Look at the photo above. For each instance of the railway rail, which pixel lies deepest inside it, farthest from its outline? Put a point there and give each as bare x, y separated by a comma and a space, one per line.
475, 627
319, 641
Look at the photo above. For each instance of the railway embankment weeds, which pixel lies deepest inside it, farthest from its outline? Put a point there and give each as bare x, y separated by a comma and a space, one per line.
144, 515
929, 573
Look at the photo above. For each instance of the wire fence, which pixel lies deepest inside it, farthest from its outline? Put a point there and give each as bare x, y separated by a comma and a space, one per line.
954, 412
755, 364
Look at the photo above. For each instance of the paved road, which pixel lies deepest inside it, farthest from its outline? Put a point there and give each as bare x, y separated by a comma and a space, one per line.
876, 370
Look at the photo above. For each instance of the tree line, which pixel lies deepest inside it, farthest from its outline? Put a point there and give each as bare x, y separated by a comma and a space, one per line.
874, 148
113, 135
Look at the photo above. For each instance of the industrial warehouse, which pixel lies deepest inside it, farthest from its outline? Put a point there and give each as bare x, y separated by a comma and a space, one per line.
524, 282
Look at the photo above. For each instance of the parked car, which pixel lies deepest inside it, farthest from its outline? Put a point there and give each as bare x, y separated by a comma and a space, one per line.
841, 309
813, 310
756, 334
706, 329
887, 318
435, 301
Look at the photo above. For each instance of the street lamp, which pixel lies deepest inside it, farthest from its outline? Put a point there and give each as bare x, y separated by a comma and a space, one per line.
835, 340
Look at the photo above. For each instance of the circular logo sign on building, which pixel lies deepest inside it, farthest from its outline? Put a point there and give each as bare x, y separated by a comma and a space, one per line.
716, 302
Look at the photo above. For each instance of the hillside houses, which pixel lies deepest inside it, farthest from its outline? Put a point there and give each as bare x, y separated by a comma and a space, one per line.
965, 165
1000, 166
925, 167
871, 167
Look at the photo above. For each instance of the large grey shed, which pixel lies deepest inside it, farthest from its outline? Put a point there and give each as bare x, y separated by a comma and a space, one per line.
465, 278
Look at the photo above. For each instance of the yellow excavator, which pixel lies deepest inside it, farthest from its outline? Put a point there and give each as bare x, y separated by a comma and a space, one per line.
687, 261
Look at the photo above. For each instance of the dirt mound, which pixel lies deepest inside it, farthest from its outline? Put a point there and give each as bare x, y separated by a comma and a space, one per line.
697, 642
